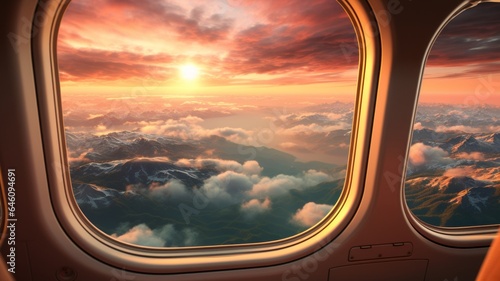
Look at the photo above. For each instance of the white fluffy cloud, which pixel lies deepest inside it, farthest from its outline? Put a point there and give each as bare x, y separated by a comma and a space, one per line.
311, 213
166, 236
141, 235
418, 126
292, 146
255, 207
228, 187
235, 183
314, 129
249, 167
460, 128
81, 157
421, 154
281, 184
471, 156
252, 168
326, 117
189, 128
460, 172
174, 189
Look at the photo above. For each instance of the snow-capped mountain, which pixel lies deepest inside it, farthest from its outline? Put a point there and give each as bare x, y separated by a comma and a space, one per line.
94, 196
475, 199
471, 144
140, 171
454, 179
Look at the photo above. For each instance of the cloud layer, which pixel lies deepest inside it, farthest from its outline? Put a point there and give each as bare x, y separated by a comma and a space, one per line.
238, 187
189, 128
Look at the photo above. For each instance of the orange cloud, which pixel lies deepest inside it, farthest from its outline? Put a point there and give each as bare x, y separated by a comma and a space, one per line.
115, 40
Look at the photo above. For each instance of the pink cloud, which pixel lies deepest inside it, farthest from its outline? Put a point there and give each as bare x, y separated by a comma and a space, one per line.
92, 64
311, 213
141, 235
460, 172
164, 236
421, 154
470, 39
418, 126
189, 128
255, 207
471, 156
281, 184
120, 40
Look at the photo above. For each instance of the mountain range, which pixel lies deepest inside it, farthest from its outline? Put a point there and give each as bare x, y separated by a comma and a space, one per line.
124, 179
223, 192
459, 182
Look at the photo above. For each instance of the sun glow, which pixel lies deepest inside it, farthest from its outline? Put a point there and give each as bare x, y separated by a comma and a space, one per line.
189, 72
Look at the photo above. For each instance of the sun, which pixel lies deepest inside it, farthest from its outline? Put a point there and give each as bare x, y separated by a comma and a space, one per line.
189, 72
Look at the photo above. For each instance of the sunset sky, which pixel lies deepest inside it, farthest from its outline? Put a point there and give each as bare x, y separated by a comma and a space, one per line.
232, 44
249, 102
464, 63
257, 46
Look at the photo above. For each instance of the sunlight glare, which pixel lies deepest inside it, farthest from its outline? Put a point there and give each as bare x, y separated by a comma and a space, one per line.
189, 72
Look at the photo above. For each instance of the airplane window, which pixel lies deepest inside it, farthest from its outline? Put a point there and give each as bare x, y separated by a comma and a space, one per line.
453, 168
196, 123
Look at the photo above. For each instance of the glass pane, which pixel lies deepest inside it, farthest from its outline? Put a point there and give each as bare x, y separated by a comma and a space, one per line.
192, 123
453, 169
